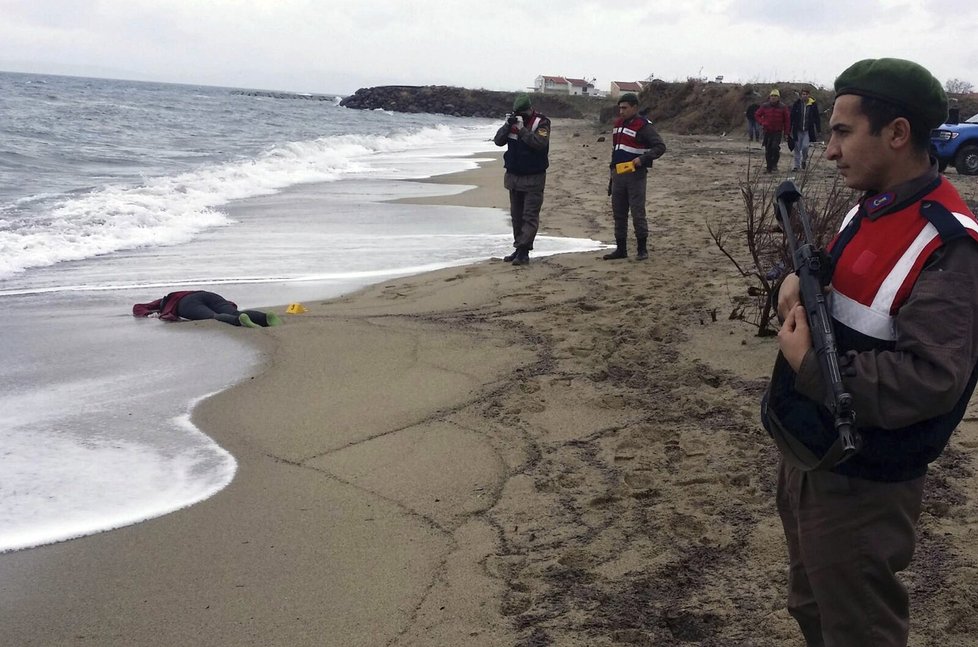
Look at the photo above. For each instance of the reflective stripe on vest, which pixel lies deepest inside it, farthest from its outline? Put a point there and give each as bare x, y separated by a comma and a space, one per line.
625, 137
874, 279
514, 130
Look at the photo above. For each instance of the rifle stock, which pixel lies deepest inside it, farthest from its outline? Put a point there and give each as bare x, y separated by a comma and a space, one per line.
814, 271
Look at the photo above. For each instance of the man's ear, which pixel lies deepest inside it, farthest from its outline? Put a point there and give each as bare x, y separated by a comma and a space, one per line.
899, 132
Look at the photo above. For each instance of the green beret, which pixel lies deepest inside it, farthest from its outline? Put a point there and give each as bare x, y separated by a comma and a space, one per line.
629, 97
904, 84
522, 102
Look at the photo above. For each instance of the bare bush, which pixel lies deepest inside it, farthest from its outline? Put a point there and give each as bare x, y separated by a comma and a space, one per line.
958, 86
755, 244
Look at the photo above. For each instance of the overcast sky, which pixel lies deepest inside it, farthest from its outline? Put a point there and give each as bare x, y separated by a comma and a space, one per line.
339, 46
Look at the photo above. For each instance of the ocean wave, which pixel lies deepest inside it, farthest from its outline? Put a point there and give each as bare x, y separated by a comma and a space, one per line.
173, 209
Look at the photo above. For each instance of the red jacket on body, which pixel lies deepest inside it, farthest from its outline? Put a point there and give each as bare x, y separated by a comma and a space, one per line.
166, 307
774, 118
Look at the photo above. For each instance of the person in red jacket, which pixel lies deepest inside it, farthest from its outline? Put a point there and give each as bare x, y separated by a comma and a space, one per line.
198, 305
775, 120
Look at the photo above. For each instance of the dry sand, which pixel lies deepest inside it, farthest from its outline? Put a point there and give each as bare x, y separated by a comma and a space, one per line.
561, 454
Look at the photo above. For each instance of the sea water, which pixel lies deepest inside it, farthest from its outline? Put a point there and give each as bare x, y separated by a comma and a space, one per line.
117, 192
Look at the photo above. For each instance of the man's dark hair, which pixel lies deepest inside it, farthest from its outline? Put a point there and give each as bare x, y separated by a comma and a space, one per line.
880, 113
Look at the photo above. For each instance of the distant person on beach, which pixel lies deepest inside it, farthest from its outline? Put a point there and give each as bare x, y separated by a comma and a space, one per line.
775, 120
198, 305
806, 126
753, 128
903, 301
634, 145
526, 135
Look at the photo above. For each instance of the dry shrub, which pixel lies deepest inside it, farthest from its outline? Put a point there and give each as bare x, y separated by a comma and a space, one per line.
755, 244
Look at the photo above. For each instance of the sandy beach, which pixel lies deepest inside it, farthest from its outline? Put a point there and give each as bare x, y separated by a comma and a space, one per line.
566, 453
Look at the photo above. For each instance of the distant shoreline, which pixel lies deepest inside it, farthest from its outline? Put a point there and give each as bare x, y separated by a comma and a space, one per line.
287, 95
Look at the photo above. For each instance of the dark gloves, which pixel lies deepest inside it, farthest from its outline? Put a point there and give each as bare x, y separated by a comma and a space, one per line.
791, 143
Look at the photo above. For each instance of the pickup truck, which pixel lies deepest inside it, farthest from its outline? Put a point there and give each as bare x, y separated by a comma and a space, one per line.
957, 144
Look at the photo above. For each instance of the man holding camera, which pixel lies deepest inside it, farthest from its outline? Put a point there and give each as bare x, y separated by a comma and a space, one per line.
526, 135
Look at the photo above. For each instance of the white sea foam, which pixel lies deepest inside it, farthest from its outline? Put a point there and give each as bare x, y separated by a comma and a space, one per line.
88, 393
56, 478
173, 209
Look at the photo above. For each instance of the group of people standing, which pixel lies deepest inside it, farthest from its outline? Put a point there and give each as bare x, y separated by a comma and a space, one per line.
635, 145
905, 256
526, 135
800, 126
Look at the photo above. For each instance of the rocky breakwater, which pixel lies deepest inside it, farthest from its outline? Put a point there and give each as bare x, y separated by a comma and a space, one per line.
285, 95
463, 102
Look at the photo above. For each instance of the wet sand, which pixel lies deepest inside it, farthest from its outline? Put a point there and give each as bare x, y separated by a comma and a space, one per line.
566, 453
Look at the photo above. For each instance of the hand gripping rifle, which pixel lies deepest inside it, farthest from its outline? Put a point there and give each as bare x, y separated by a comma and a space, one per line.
814, 269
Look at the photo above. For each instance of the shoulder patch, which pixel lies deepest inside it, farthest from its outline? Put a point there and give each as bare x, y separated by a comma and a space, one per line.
543, 132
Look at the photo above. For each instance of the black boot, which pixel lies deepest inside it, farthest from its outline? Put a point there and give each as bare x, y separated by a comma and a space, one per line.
522, 256
509, 258
643, 252
620, 252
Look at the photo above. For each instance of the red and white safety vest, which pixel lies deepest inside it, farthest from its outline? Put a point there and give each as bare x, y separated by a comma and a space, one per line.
624, 142
880, 265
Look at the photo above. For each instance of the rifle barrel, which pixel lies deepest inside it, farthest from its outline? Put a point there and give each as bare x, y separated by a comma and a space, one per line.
808, 265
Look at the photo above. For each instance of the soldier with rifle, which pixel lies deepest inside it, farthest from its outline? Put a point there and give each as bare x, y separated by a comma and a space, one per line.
878, 357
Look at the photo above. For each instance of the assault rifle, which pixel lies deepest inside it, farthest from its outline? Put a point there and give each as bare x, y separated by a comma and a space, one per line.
814, 269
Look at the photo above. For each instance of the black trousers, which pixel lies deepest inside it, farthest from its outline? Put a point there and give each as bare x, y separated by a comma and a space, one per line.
772, 149
208, 305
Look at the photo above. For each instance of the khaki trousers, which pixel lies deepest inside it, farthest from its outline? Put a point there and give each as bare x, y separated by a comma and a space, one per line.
847, 540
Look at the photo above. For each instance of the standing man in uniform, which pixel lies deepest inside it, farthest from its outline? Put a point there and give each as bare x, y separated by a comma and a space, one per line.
774, 119
805, 127
526, 135
906, 257
635, 144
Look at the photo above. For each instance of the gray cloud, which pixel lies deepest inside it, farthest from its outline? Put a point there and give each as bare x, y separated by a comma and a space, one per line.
337, 46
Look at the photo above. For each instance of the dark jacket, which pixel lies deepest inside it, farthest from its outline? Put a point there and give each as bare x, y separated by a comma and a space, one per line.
911, 386
811, 117
527, 148
636, 139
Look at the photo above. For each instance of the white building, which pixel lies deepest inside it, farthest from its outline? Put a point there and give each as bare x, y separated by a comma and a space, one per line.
619, 88
563, 85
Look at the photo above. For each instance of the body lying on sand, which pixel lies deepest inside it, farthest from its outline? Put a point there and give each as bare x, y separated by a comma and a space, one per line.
569, 454
201, 305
